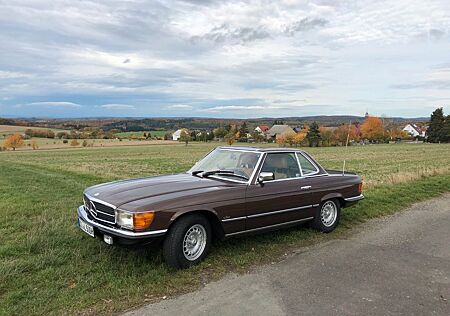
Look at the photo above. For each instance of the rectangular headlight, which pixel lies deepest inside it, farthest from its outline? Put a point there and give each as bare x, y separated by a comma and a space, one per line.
134, 221
124, 219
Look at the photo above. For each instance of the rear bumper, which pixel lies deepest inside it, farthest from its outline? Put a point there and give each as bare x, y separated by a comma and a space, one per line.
121, 235
353, 200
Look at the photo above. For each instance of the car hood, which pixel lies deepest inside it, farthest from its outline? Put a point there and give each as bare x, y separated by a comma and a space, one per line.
159, 188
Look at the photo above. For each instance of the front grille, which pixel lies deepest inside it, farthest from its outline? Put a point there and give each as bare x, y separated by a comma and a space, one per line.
99, 211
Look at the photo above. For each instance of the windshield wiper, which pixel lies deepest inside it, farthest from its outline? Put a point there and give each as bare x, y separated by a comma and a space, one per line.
196, 172
224, 172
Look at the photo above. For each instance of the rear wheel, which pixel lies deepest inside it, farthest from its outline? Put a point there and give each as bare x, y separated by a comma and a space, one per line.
187, 242
327, 216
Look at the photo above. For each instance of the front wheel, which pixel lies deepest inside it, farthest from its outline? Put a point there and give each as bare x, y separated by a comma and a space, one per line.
187, 242
327, 216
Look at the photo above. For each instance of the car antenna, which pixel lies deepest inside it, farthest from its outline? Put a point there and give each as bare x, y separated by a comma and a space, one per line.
346, 146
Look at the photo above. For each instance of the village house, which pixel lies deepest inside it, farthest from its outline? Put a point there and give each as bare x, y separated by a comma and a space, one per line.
414, 130
177, 134
262, 129
277, 131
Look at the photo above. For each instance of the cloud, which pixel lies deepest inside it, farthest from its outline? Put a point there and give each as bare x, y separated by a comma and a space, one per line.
226, 33
180, 106
54, 104
115, 106
207, 54
305, 24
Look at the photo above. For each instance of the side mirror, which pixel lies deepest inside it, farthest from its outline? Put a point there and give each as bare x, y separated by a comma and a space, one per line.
266, 176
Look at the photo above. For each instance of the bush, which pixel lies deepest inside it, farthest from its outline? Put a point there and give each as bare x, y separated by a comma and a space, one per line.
74, 143
65, 141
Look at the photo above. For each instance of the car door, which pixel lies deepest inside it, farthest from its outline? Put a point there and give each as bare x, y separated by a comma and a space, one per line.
286, 198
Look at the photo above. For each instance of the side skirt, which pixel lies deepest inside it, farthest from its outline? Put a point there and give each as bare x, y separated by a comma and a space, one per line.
270, 227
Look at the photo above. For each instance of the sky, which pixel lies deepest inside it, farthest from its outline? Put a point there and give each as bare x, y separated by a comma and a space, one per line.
230, 59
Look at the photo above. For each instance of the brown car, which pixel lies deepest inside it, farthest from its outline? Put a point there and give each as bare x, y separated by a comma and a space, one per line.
233, 190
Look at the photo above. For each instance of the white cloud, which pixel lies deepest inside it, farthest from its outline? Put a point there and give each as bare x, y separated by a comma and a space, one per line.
117, 106
53, 104
180, 106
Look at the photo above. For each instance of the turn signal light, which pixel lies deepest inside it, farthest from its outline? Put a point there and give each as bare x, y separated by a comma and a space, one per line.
143, 220
360, 187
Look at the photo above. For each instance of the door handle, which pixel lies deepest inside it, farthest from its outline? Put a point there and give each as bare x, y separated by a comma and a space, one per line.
306, 187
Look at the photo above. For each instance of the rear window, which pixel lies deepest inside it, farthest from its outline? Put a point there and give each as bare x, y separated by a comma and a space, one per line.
307, 166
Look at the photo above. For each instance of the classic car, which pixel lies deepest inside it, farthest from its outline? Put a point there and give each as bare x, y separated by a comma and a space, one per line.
232, 191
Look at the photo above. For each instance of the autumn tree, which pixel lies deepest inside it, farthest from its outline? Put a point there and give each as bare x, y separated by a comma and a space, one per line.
13, 141
326, 134
230, 138
289, 138
185, 136
372, 129
281, 140
299, 137
346, 130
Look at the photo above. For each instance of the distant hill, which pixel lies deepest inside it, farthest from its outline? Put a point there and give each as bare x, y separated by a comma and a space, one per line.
149, 124
210, 123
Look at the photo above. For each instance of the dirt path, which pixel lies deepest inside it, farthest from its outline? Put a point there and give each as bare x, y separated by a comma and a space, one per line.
396, 265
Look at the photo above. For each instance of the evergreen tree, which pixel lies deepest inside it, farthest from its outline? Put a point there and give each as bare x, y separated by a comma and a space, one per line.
436, 129
313, 135
243, 130
278, 122
446, 130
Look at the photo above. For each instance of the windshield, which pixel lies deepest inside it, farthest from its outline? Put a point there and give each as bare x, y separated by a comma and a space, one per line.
237, 162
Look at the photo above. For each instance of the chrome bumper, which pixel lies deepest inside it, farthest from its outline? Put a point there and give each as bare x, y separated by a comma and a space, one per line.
354, 198
117, 231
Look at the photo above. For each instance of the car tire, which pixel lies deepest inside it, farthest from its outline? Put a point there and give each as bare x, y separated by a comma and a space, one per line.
327, 216
187, 242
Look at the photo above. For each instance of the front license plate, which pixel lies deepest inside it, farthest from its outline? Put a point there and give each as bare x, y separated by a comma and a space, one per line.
88, 229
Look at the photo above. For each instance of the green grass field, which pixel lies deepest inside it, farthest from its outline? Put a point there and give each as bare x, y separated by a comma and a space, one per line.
48, 266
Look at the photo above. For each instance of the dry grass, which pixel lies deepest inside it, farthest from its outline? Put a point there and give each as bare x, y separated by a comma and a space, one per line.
11, 129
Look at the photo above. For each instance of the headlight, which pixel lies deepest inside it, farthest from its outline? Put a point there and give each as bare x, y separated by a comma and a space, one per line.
135, 221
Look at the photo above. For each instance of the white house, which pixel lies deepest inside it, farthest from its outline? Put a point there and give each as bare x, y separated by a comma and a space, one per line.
414, 130
177, 134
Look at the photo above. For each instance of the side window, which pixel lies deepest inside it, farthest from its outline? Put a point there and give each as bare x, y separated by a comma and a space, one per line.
283, 165
306, 165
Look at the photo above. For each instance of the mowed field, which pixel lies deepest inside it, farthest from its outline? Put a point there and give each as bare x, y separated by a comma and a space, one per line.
48, 266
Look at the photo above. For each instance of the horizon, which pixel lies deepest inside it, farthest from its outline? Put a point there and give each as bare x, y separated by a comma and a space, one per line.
204, 118
224, 59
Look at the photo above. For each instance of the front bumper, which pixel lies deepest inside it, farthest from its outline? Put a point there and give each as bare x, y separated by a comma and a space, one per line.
117, 232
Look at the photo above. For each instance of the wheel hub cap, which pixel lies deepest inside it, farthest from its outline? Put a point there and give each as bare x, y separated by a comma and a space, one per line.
328, 214
194, 242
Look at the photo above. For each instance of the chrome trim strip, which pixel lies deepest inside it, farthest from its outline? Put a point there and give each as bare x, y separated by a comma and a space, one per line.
270, 226
99, 201
280, 211
112, 215
116, 231
312, 162
233, 219
354, 198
